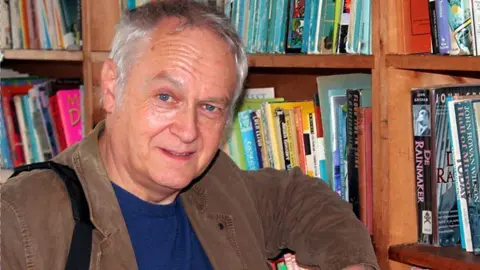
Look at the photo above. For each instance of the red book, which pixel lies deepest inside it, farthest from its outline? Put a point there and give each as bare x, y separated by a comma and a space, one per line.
15, 140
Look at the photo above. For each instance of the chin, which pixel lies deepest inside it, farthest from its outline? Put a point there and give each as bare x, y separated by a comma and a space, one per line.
176, 180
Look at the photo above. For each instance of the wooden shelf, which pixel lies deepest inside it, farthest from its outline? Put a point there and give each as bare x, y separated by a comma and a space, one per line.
311, 61
43, 55
434, 257
434, 62
292, 60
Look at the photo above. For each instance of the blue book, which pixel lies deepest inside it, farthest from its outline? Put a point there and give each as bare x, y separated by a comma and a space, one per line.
306, 25
252, 26
248, 140
30, 128
462, 206
468, 138
342, 152
441, 10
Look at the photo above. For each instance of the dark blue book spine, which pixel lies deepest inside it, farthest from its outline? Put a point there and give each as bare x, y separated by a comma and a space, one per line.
442, 7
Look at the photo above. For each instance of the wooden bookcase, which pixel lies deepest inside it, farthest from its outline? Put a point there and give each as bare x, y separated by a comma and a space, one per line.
293, 77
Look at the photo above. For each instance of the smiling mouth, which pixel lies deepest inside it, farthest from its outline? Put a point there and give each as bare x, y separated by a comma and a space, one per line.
178, 154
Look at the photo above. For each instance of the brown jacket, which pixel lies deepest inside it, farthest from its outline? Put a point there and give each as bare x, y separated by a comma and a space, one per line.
241, 218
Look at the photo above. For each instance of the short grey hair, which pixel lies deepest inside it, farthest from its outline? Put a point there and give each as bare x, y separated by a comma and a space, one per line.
136, 26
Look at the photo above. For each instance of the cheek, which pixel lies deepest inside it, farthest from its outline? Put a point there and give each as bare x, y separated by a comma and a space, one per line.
212, 132
151, 122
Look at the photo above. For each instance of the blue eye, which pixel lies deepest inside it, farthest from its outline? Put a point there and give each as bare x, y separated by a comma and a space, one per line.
164, 97
210, 108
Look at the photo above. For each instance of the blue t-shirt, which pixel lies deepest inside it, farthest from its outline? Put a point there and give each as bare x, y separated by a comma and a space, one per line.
161, 235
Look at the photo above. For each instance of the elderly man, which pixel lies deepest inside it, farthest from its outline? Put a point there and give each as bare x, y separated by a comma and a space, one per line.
160, 193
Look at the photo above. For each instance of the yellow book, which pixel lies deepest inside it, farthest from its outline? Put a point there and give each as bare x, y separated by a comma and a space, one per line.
277, 153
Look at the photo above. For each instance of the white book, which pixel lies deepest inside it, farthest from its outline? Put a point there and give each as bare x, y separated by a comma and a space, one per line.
27, 151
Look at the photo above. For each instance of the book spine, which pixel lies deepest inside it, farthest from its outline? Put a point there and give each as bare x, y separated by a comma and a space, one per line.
441, 9
421, 102
353, 101
433, 26
474, 210
465, 232
5, 26
278, 118
296, 24
44, 102
469, 152
36, 156
460, 22
15, 141
5, 155
327, 26
300, 139
259, 144
362, 166
306, 25
39, 124
248, 140
475, 13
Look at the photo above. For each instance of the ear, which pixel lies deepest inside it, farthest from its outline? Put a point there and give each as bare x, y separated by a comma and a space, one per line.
109, 72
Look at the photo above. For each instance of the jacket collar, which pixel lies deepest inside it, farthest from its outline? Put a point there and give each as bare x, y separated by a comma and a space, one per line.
105, 211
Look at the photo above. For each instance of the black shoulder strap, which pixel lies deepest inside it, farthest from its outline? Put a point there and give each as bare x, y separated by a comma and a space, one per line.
81, 244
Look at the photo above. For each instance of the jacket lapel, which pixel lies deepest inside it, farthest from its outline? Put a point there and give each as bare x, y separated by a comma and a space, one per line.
113, 248
215, 231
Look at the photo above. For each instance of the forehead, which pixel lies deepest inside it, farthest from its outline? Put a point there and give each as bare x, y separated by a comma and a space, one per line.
196, 51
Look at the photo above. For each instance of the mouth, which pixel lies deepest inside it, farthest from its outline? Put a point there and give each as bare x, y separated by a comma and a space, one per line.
181, 155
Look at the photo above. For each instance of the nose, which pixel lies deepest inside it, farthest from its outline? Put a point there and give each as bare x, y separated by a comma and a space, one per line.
186, 125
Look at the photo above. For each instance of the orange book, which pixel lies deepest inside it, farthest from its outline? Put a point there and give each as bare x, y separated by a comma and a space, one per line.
415, 25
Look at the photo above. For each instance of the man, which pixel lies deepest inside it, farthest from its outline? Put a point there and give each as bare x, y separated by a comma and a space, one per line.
161, 195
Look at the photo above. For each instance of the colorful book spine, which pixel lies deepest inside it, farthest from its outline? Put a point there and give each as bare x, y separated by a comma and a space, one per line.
365, 28
464, 221
27, 148
475, 13
327, 27
6, 161
257, 131
296, 24
460, 22
474, 210
36, 155
11, 124
306, 25
467, 136
248, 140
70, 113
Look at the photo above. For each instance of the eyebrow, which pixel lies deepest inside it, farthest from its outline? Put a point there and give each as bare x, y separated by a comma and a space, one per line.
164, 76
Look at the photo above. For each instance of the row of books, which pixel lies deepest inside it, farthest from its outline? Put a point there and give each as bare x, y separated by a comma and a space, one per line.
443, 27
40, 24
328, 137
296, 26
446, 124
306, 26
39, 118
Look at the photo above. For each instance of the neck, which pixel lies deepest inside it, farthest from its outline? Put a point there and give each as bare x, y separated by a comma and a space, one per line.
138, 184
